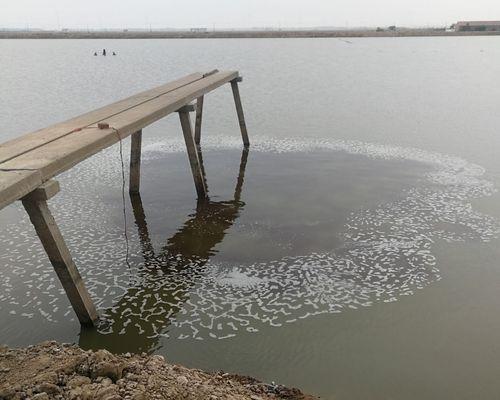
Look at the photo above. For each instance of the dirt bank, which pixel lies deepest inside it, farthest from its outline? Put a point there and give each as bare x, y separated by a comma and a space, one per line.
54, 371
235, 34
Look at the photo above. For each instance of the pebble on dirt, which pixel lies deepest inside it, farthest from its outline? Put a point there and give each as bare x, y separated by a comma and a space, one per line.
54, 371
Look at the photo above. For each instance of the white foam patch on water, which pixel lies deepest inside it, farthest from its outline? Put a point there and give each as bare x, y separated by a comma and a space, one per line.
237, 278
387, 253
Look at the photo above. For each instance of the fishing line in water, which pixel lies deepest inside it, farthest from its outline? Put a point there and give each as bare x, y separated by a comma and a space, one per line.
127, 248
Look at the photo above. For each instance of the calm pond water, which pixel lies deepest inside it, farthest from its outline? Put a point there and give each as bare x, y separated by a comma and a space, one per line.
352, 251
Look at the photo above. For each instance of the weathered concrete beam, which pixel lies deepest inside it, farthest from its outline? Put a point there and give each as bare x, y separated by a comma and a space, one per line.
187, 108
192, 151
239, 110
135, 162
44, 192
199, 117
47, 230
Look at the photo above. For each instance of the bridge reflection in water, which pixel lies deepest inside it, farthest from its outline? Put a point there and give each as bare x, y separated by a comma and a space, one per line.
164, 280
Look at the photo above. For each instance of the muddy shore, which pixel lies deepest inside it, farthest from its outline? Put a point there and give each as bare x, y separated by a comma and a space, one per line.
63, 371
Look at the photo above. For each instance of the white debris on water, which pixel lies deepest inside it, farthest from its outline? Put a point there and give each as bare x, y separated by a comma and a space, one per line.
237, 278
387, 253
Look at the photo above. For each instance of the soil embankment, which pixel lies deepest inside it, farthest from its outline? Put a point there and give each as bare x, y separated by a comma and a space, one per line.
236, 34
54, 371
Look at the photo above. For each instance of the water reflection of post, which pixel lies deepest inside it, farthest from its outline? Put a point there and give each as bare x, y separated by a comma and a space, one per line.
165, 278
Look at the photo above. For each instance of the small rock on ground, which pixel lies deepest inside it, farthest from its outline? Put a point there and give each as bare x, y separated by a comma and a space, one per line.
51, 371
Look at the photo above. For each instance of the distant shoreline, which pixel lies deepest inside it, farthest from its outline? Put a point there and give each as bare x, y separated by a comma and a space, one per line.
235, 34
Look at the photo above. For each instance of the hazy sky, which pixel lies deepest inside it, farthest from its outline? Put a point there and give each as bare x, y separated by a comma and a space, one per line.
239, 13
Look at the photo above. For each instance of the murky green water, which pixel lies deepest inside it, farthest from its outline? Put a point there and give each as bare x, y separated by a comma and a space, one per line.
352, 251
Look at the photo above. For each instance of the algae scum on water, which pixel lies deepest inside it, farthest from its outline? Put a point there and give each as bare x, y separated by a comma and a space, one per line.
257, 254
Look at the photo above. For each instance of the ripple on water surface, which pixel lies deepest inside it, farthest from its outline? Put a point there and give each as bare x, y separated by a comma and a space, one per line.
307, 228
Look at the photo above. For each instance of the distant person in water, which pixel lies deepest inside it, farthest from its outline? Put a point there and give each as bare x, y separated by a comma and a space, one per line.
103, 52
114, 53
95, 53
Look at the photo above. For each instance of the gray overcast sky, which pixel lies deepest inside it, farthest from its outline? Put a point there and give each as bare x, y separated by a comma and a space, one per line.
239, 13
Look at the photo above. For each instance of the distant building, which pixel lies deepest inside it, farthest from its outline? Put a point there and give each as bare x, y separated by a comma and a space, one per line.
477, 26
199, 30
